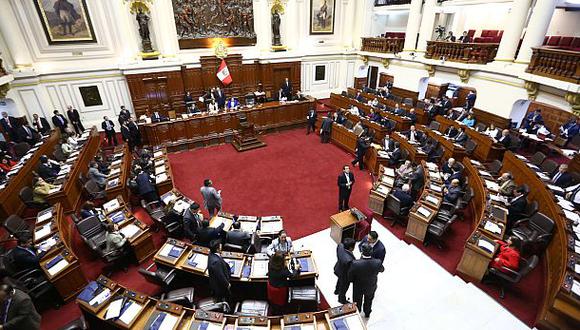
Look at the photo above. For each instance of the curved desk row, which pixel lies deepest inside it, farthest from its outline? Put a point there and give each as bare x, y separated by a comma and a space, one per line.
450, 148
106, 304
119, 172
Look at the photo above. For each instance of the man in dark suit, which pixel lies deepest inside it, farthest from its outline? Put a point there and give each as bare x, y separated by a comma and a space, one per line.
219, 274
388, 143
124, 115
562, 178
450, 132
455, 175
220, 97
359, 97
395, 155
24, 255
47, 169
470, 99
207, 234
192, 221
516, 206
344, 258
417, 180
378, 249
533, 119
286, 89
59, 121
236, 236
461, 136
413, 135
28, 134
452, 193
404, 196
505, 138
445, 105
40, 124
126, 135
345, 182
363, 274
326, 128
10, 126
465, 38
311, 120
75, 119
17, 310
362, 145
413, 116
447, 167
110, 133
134, 131
146, 187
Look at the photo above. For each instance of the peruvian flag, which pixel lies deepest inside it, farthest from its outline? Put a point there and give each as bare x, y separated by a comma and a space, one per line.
223, 74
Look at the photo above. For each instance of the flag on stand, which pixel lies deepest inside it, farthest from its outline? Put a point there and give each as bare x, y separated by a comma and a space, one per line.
223, 74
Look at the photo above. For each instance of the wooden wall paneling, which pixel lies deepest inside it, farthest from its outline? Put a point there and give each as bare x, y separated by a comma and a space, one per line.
359, 83
459, 101
436, 90
553, 117
487, 118
383, 78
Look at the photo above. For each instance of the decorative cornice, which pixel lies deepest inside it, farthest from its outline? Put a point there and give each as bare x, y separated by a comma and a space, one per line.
365, 59
532, 88
430, 69
463, 75
574, 100
386, 62
4, 91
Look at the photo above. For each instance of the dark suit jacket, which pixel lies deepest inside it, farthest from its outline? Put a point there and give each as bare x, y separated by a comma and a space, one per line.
47, 171
42, 127
515, 210
359, 98
506, 142
73, 115
208, 234
144, 183
104, 126
406, 199
363, 273
465, 39
461, 137
564, 180
344, 258
390, 145
220, 98
446, 168
470, 97
379, 251
287, 89
31, 136
57, 122
311, 116
342, 182
395, 156
21, 313
456, 175
219, 276
23, 259
417, 179
326, 125
450, 131
125, 133
10, 131
413, 117
452, 195
191, 223
238, 237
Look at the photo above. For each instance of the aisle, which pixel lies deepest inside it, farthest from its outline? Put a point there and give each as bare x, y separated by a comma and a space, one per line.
414, 292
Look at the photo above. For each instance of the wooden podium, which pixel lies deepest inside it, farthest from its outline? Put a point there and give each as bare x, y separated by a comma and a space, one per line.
245, 138
342, 225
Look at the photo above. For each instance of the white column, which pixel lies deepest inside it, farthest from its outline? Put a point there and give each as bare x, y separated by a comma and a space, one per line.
347, 14
513, 31
537, 28
413, 26
13, 36
427, 24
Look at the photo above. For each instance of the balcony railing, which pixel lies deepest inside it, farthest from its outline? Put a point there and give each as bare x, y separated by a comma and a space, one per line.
461, 52
383, 45
379, 3
555, 63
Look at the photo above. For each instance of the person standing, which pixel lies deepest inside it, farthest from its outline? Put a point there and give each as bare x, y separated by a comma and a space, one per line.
219, 273
59, 121
378, 248
75, 119
10, 126
17, 310
326, 128
212, 198
286, 89
310, 120
109, 128
124, 115
192, 220
363, 274
40, 124
362, 145
134, 131
345, 257
28, 134
345, 182
126, 135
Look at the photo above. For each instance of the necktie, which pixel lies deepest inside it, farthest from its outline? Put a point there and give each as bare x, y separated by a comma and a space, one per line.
27, 130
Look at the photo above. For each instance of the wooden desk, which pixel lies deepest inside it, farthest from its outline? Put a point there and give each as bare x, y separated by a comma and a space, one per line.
124, 167
10, 203
450, 149
342, 225
70, 194
204, 129
418, 222
422, 117
415, 154
160, 159
70, 280
486, 151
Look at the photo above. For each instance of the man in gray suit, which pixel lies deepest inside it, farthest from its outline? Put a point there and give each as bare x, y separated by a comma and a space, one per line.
18, 311
95, 175
212, 198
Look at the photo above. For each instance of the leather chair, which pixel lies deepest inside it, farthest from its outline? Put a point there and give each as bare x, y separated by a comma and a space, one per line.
480, 127
538, 158
470, 146
211, 305
17, 226
173, 225
494, 167
26, 195
399, 213
183, 297
549, 166
93, 191
93, 233
436, 157
78, 324
511, 277
160, 276
516, 143
535, 232
437, 230
58, 154
156, 211
20, 149
434, 125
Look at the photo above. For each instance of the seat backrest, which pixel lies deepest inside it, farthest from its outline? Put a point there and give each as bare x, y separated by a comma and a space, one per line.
575, 142
92, 187
549, 166
26, 194
565, 41
434, 125
20, 149
470, 145
89, 227
495, 166
531, 263
393, 204
15, 224
554, 40
542, 223
404, 154
532, 208
526, 189
348, 124
538, 158
480, 127
468, 195
575, 42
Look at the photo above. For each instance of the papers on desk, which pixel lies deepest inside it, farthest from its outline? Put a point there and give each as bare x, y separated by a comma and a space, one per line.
543, 176
436, 132
111, 205
113, 183
180, 206
42, 231
168, 198
170, 250
160, 169
55, 189
259, 268
158, 154
43, 216
566, 205
198, 260
56, 268
116, 162
217, 221
389, 171
491, 185
247, 218
98, 299
129, 230
435, 188
272, 218
130, 312
432, 166
383, 190
161, 178
115, 171
47, 244
387, 180
248, 226
424, 211
577, 268
576, 288
434, 175
486, 173
572, 216
271, 226
382, 154
569, 152
432, 199
498, 198
484, 244
159, 162
349, 322
492, 227
475, 162
555, 188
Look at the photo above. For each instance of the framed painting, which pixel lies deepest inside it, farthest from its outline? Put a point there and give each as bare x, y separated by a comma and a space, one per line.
91, 96
322, 16
65, 21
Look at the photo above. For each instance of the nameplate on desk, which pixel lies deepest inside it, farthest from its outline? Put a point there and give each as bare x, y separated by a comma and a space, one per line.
117, 217
44, 215
432, 199
161, 178
160, 169
486, 245
111, 205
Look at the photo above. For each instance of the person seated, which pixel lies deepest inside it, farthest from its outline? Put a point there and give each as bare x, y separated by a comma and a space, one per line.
18, 309
208, 234
570, 129
429, 147
70, 139
405, 170
413, 116
384, 92
541, 131
281, 244
278, 280
374, 102
158, 117
461, 116
516, 206
146, 185
339, 117
94, 174
354, 110
41, 189
506, 184
398, 110
461, 136
6, 164
25, 256
116, 243
508, 255
103, 164
48, 169
404, 196
395, 155
450, 132
452, 193
236, 236
465, 38
533, 119
450, 37
505, 139
359, 97
375, 116
493, 132
388, 143
212, 107
88, 210
469, 121
232, 104
455, 175
447, 167
192, 221
562, 178
193, 109
413, 135
260, 94
66, 148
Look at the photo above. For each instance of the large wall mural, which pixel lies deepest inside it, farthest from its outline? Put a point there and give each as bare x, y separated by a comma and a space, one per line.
199, 22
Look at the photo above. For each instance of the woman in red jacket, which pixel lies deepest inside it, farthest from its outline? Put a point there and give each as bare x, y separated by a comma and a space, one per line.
508, 255
6, 164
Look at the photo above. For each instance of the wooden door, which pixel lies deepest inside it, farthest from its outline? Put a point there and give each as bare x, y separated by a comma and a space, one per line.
156, 95
372, 77
279, 75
